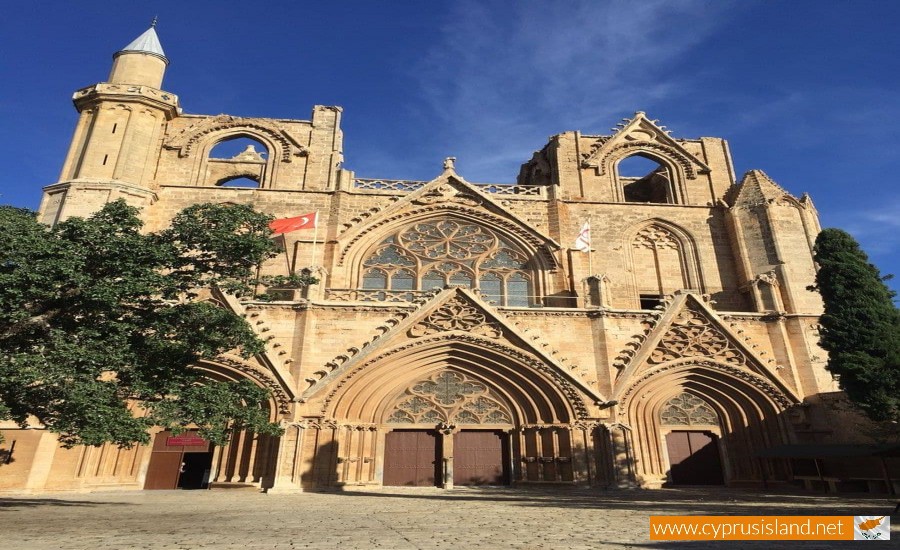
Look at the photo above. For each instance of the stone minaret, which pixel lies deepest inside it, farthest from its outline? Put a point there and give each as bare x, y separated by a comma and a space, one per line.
117, 139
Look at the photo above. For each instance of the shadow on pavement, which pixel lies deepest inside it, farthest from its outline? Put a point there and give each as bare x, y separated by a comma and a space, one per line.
34, 502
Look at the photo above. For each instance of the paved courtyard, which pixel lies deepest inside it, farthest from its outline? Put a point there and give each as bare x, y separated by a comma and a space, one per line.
395, 518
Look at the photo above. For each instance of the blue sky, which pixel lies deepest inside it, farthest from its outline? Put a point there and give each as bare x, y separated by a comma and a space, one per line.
807, 91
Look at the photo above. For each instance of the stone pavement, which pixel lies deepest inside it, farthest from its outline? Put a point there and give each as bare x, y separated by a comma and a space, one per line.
396, 518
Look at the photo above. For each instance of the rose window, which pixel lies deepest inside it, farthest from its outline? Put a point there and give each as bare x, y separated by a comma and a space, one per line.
447, 252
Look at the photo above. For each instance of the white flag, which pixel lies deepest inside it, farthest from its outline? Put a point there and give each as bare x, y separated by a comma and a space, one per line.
583, 241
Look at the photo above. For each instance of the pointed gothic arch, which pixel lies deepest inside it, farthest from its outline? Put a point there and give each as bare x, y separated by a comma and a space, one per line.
247, 458
663, 259
653, 184
448, 383
231, 368
508, 264
748, 408
535, 392
261, 166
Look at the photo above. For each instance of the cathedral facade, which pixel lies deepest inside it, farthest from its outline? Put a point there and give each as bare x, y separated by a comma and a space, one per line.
458, 335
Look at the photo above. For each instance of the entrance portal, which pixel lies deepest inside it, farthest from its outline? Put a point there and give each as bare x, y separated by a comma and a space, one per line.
411, 458
694, 458
478, 458
179, 462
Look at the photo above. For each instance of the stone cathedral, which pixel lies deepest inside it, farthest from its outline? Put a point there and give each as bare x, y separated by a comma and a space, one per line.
458, 336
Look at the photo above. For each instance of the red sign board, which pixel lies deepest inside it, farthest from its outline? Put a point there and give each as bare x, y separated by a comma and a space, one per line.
186, 441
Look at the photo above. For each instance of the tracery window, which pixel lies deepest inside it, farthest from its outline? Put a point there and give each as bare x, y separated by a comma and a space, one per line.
449, 397
659, 264
433, 254
686, 409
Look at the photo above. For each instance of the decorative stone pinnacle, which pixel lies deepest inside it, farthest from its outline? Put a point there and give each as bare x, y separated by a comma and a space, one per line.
449, 163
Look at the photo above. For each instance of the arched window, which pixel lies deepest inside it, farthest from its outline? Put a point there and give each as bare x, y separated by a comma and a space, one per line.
437, 253
237, 162
644, 180
659, 264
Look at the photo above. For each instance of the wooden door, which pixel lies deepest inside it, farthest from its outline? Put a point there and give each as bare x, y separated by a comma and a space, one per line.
167, 460
164, 470
410, 458
478, 458
694, 458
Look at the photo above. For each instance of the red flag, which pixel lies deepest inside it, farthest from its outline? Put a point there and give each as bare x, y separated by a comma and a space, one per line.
286, 225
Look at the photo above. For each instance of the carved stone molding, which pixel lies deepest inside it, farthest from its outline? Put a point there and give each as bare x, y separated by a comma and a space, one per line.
693, 335
359, 427
656, 236
545, 313
317, 424
587, 425
448, 193
449, 398
625, 149
624, 358
755, 380
456, 315
435, 211
549, 426
572, 394
186, 140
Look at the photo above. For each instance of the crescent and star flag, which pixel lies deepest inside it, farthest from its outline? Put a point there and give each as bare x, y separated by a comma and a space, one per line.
286, 225
583, 241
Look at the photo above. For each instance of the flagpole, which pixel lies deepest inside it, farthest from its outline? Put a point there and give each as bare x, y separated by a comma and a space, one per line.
312, 258
590, 248
287, 255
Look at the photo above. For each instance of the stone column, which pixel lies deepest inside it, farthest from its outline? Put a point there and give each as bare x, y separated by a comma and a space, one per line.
523, 454
514, 475
622, 460
290, 445
446, 433
539, 452
582, 464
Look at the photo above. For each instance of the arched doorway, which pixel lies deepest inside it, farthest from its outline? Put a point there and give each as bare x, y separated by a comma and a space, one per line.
692, 441
500, 414
417, 454
247, 459
719, 416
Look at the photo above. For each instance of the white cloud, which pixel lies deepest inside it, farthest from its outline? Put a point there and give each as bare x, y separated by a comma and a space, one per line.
500, 83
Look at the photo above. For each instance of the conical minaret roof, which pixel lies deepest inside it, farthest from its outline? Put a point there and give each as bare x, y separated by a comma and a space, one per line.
148, 43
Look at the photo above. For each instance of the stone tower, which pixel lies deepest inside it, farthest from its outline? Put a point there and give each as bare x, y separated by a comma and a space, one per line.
121, 123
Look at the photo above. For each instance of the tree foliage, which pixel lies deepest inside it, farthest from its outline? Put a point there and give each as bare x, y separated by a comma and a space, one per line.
98, 321
860, 327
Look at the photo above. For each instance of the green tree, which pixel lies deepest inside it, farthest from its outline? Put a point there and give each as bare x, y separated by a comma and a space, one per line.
860, 327
99, 320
